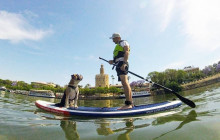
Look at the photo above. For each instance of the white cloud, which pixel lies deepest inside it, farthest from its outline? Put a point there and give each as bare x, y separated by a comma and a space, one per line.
174, 65
199, 21
143, 4
167, 15
15, 27
164, 11
201, 24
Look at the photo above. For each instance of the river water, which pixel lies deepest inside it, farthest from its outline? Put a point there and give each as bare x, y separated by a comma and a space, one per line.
20, 119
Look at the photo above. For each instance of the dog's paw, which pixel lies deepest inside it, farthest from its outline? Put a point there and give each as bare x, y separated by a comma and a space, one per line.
66, 106
75, 106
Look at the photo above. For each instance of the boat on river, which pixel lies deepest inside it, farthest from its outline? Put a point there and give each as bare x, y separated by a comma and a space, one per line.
3, 88
23, 92
108, 111
136, 94
42, 93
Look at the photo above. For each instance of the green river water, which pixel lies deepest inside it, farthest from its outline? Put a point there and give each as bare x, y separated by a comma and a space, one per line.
20, 119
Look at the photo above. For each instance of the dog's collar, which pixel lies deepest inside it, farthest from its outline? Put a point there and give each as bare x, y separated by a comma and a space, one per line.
72, 86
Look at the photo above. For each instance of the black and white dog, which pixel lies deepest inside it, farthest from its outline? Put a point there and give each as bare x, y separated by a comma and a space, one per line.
70, 96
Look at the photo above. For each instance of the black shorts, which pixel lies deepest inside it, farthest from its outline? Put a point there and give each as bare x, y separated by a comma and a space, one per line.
119, 71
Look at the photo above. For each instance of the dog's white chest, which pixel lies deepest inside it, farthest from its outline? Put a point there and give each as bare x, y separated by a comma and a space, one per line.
73, 93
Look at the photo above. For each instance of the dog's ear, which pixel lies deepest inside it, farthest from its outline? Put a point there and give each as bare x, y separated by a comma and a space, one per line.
72, 76
81, 77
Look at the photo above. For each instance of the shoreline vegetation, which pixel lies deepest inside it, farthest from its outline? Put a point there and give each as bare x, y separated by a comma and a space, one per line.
206, 81
104, 94
202, 82
186, 79
177, 80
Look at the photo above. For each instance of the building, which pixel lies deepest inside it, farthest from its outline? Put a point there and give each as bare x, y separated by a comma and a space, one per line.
39, 84
102, 79
3, 88
191, 69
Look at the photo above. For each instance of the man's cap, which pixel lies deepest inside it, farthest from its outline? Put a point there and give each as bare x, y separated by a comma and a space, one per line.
115, 35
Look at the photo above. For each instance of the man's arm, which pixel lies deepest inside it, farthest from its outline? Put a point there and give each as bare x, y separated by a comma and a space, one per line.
126, 50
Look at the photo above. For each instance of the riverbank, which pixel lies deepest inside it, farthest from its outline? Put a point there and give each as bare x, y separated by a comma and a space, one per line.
189, 86
97, 96
201, 83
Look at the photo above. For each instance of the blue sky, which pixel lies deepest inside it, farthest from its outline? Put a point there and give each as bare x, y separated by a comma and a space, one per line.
47, 41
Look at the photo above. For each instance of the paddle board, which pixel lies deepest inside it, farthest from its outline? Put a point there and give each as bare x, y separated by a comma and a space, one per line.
108, 111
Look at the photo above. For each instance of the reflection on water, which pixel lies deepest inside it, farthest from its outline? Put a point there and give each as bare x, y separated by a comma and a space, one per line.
20, 119
2, 93
128, 129
105, 129
162, 120
69, 128
184, 120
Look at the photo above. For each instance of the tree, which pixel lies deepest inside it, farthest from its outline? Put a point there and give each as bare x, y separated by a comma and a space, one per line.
87, 86
218, 67
133, 84
140, 83
208, 70
114, 90
99, 90
162, 78
7, 82
174, 86
154, 76
85, 91
171, 74
181, 76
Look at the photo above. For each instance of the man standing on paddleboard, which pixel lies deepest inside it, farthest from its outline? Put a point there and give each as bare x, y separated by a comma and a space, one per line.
120, 59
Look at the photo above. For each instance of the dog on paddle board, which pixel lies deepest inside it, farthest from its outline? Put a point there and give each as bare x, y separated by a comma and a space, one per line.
71, 93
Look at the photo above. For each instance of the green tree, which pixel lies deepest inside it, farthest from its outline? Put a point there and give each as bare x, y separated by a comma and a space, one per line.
114, 90
174, 86
171, 75
99, 90
87, 86
181, 76
154, 76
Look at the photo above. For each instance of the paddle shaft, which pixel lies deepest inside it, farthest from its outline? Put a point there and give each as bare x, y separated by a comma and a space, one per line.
185, 100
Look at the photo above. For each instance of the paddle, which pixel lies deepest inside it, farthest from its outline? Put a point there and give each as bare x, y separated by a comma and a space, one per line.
186, 101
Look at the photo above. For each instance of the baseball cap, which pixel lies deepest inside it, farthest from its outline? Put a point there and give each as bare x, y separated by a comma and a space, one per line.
114, 35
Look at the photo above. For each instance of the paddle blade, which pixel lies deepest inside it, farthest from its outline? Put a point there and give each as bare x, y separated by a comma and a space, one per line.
185, 100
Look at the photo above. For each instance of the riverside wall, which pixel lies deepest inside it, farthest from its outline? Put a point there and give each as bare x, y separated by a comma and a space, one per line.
201, 83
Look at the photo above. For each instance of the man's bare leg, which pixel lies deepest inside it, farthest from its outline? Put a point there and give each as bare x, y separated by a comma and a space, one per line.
127, 91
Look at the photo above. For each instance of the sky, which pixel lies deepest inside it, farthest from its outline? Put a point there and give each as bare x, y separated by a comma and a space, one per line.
49, 40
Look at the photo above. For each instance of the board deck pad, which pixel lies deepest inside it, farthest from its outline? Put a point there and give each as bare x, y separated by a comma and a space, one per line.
108, 111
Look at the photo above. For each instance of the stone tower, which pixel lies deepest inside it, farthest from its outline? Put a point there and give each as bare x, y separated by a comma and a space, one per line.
102, 79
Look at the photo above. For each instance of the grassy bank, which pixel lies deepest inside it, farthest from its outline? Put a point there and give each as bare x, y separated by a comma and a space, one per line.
202, 82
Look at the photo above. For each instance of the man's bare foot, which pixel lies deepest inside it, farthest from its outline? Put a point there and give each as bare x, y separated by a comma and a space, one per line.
125, 107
